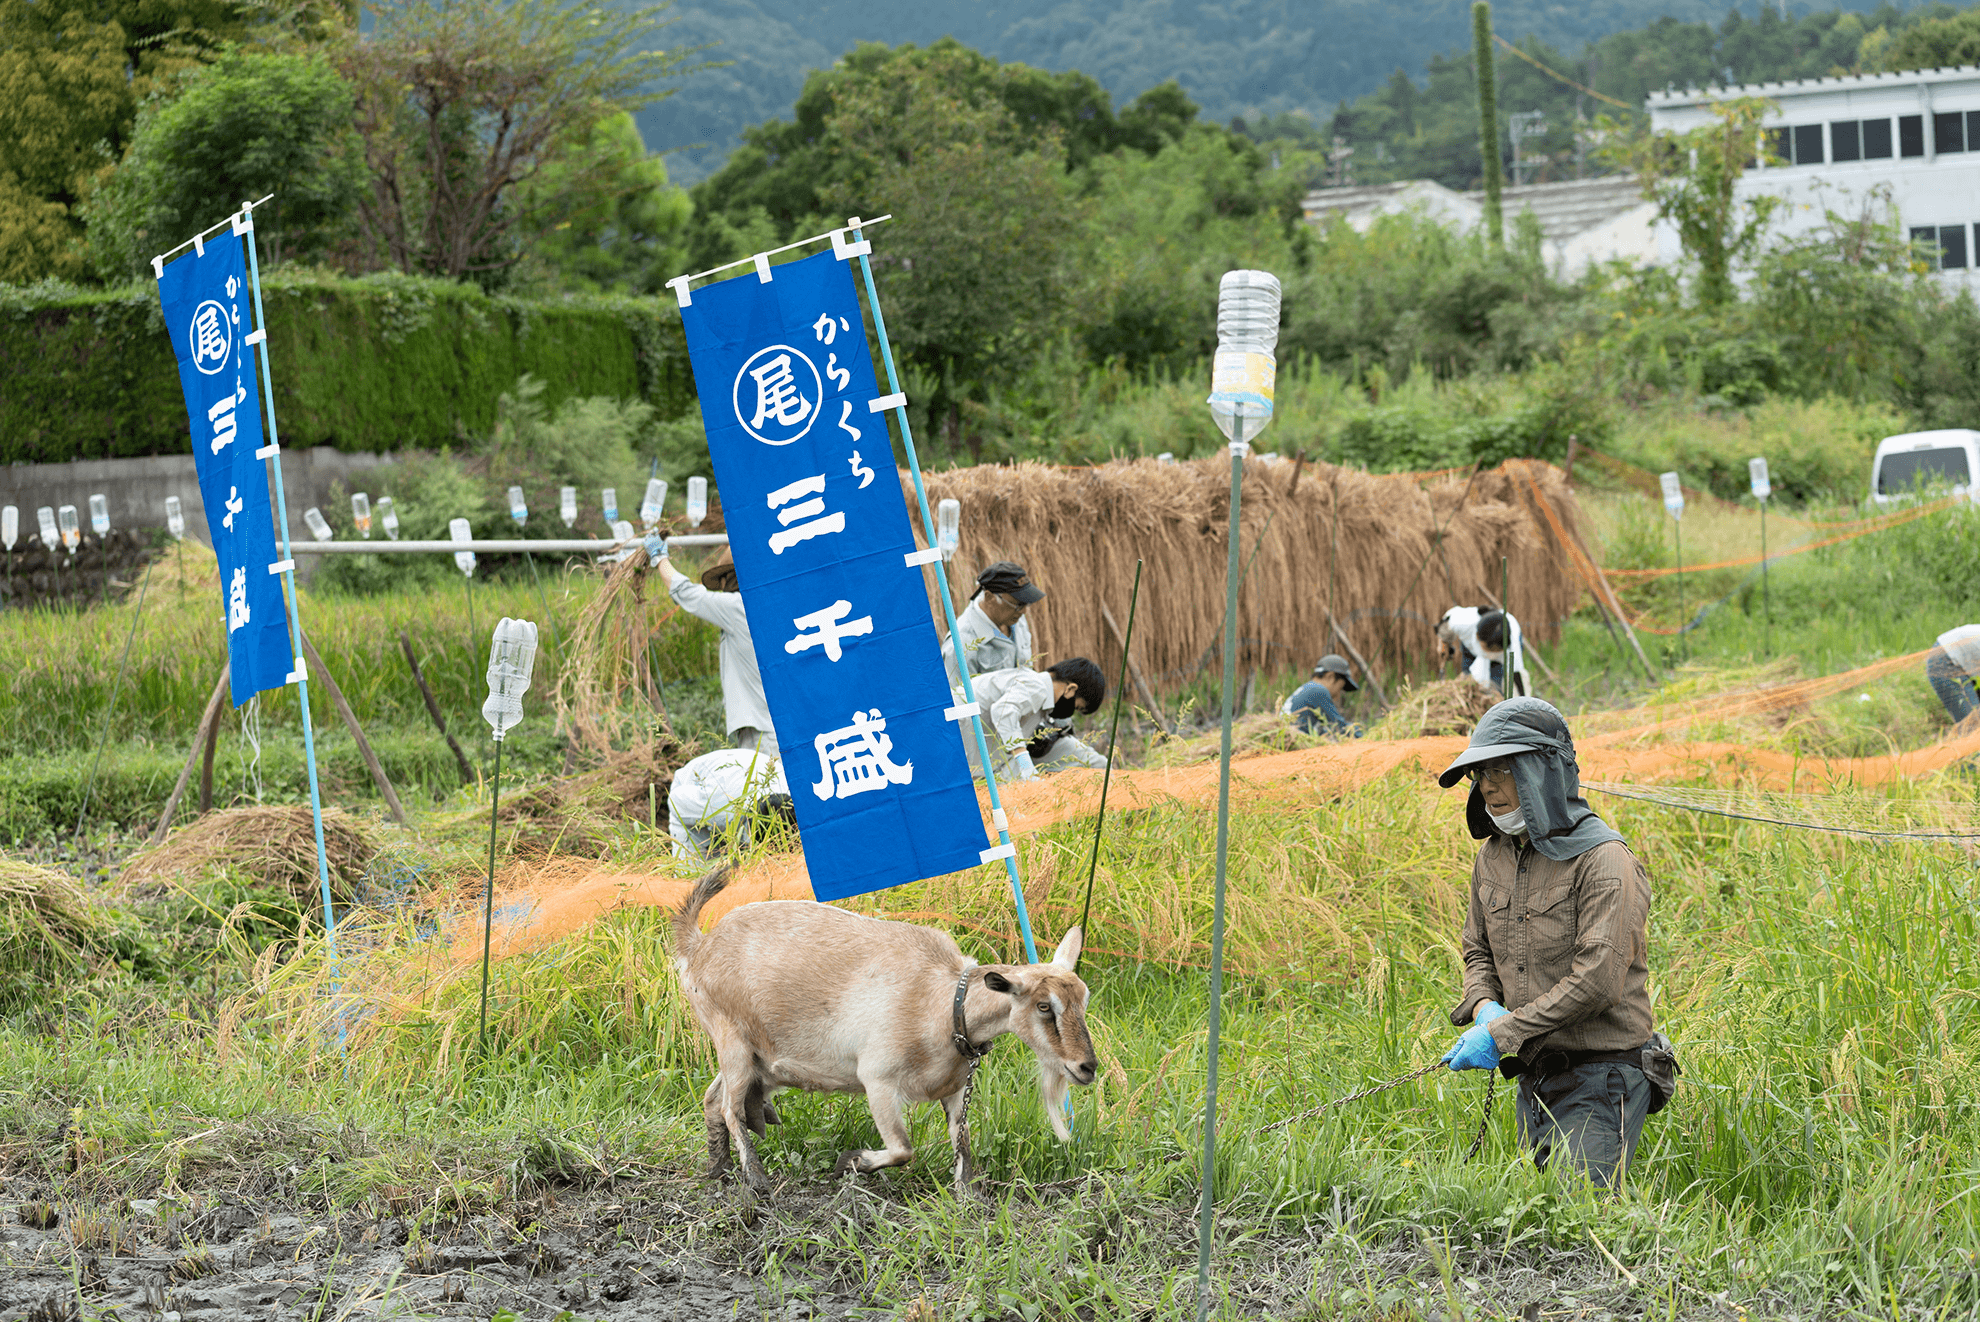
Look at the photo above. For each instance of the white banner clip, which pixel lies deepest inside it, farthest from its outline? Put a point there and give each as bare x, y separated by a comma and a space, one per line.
885, 402
268, 451
844, 250
298, 675
256, 336
1001, 851
199, 245
679, 284
158, 267
281, 566
762, 261
928, 557
999, 820
962, 711
243, 222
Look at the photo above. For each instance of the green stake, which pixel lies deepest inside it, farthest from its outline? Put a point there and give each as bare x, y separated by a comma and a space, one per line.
1107, 775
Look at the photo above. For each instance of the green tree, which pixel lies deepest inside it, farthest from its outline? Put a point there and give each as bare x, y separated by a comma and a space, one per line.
460, 104
72, 74
608, 219
1694, 178
253, 124
1935, 43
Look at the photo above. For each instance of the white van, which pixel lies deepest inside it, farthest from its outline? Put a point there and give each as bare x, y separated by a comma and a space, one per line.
1951, 456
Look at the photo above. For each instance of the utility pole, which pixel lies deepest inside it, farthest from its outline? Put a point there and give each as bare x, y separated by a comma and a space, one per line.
1525, 125
1488, 120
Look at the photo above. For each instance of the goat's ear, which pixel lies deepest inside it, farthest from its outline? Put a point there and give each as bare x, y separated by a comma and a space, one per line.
1067, 954
995, 981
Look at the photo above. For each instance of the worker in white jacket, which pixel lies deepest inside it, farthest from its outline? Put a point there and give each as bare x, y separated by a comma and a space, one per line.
718, 600
1015, 702
994, 632
713, 790
1483, 639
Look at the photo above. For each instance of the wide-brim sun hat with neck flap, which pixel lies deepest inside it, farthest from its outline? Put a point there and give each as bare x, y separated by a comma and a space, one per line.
1517, 725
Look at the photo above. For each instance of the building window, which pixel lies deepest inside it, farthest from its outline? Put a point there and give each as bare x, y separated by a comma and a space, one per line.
1876, 139
1807, 144
1949, 133
1952, 247
1779, 148
1843, 142
1911, 135
1973, 130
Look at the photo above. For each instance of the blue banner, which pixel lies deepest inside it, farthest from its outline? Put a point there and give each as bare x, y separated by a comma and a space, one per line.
850, 661
209, 315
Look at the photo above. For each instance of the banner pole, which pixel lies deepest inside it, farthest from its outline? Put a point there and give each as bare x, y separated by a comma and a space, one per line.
1004, 846
1206, 1211
274, 460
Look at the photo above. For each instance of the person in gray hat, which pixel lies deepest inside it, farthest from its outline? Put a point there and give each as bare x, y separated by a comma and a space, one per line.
1555, 949
1315, 705
992, 627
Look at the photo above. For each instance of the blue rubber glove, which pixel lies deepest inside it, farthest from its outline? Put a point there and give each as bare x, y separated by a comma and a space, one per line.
1476, 1050
656, 548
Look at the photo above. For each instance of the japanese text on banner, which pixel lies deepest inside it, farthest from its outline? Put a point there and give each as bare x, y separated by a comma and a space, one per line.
840, 622
208, 313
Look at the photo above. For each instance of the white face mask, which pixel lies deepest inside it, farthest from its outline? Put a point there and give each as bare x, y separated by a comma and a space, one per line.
1513, 823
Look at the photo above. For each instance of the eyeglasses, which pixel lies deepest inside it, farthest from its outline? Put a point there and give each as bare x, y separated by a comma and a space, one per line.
1496, 770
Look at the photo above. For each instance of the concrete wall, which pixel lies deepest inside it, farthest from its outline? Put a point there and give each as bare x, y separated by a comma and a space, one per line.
137, 488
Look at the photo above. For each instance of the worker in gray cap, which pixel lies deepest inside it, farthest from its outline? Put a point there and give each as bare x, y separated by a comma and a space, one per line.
1315, 705
992, 627
1555, 949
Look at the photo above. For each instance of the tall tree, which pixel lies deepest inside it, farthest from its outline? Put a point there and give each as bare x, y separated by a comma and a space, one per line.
461, 102
1488, 118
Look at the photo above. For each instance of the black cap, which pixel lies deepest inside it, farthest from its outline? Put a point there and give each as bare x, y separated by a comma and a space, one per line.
1011, 580
1336, 664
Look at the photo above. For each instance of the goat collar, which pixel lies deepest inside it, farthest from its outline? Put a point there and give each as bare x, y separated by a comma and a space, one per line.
961, 1024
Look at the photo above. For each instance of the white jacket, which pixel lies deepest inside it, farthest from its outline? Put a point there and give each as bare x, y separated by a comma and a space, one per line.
743, 702
985, 646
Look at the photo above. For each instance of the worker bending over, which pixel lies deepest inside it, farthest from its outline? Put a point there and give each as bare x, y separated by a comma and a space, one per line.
729, 785
1315, 705
718, 600
1016, 704
1482, 639
1950, 668
1556, 949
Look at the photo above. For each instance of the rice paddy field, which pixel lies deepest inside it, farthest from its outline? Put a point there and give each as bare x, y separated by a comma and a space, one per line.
204, 1112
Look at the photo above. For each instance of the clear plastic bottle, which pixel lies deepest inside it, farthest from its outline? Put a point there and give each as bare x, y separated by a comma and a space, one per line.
175, 519
71, 528
697, 501
459, 530
1756, 473
388, 517
567, 505
948, 526
1673, 494
609, 499
10, 526
518, 507
45, 517
1247, 335
361, 513
654, 502
99, 515
511, 662
319, 527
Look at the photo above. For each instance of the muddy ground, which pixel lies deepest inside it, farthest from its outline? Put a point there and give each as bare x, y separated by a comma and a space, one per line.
678, 1250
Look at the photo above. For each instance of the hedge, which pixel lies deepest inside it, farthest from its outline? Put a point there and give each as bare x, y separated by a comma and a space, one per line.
376, 363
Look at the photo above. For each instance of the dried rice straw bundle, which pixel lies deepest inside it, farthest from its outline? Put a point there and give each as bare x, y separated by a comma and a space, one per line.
273, 845
1406, 551
606, 653
50, 931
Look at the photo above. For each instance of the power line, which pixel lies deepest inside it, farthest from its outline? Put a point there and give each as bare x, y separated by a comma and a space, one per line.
1559, 77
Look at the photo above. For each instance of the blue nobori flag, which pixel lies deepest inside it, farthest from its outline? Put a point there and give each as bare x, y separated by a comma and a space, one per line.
819, 532
209, 315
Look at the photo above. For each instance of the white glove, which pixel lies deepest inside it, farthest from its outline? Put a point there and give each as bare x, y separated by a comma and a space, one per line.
1019, 767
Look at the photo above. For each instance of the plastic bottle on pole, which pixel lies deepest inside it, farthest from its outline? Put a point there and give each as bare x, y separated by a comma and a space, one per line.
518, 507
175, 519
45, 516
10, 526
948, 526
388, 518
460, 531
71, 528
654, 502
697, 501
361, 513
319, 527
609, 499
511, 660
99, 516
567, 505
1243, 371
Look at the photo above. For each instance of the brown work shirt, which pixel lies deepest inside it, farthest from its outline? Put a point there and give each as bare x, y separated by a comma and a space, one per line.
1562, 946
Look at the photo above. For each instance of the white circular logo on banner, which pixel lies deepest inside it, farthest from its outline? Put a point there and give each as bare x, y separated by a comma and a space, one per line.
778, 394
210, 336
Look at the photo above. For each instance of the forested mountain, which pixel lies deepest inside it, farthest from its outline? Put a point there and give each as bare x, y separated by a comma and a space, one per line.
1239, 57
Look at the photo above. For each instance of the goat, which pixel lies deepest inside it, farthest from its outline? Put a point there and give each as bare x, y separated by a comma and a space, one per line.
798, 994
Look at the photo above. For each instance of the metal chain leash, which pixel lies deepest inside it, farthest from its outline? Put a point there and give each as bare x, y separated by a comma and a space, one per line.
1484, 1119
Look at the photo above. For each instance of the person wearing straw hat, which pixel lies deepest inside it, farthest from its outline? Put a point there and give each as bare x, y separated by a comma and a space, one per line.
992, 627
1555, 949
718, 600
729, 785
1315, 705
1952, 669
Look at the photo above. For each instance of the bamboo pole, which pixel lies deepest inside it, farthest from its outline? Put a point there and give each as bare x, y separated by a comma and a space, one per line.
378, 776
1140, 681
1107, 774
207, 721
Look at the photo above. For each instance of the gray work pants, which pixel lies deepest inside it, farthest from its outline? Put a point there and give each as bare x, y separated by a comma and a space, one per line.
1590, 1116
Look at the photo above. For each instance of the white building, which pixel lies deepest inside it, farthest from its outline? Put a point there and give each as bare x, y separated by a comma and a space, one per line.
1582, 221
1853, 142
